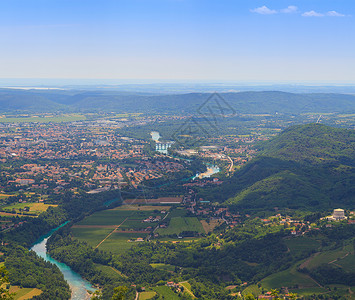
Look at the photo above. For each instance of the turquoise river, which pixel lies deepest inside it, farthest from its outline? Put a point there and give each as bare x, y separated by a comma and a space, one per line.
78, 285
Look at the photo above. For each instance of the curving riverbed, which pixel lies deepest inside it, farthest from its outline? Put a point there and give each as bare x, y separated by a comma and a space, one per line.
78, 285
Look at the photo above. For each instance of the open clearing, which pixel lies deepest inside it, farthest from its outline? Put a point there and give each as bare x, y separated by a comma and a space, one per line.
146, 295
24, 293
35, 208
179, 224
289, 278
116, 230
162, 200
45, 119
166, 292
211, 225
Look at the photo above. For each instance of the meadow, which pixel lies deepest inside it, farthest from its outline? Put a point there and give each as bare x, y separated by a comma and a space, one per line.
34, 208
116, 230
44, 119
180, 224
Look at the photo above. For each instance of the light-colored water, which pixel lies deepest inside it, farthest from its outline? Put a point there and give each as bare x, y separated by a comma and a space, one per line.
155, 136
211, 170
78, 285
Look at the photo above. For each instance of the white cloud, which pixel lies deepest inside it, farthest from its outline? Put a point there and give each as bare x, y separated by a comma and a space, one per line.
333, 13
312, 13
290, 9
264, 10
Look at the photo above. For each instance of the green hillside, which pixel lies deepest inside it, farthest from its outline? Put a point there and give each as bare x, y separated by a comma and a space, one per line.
305, 167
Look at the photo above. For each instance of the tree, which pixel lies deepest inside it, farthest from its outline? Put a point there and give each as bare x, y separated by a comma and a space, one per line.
120, 293
97, 295
4, 293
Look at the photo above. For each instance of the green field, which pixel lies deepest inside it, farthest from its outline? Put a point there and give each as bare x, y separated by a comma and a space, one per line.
347, 263
45, 119
118, 242
146, 295
180, 224
288, 278
110, 272
252, 290
187, 288
93, 236
329, 256
165, 267
302, 244
166, 292
35, 208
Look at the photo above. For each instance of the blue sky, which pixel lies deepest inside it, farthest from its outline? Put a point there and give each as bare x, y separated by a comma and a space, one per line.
234, 40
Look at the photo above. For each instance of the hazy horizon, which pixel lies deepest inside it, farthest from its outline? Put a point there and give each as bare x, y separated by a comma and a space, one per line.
179, 40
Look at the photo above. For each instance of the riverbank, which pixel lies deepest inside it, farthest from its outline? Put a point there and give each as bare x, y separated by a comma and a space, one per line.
79, 286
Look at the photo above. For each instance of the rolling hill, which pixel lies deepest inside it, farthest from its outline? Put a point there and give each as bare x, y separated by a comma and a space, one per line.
307, 167
117, 101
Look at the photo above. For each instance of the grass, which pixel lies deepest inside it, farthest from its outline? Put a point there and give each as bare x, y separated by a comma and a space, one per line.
106, 222
166, 292
327, 257
180, 224
302, 244
143, 207
252, 289
110, 272
288, 278
165, 267
211, 225
308, 291
93, 236
45, 119
36, 208
118, 243
347, 263
146, 295
187, 288
24, 293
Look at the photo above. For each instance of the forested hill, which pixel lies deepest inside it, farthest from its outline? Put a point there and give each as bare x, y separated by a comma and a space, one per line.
114, 101
308, 167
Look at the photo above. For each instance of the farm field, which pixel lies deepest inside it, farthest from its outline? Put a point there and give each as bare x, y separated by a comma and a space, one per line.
165, 267
119, 242
166, 292
187, 288
24, 293
302, 244
4, 196
44, 119
166, 200
288, 278
252, 289
35, 208
211, 225
113, 229
110, 271
180, 224
330, 256
146, 295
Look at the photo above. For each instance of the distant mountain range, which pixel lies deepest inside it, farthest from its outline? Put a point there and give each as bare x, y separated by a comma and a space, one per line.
112, 101
308, 167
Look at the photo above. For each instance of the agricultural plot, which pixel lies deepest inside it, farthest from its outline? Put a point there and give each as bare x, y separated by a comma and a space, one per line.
178, 225
333, 256
166, 293
165, 267
34, 208
116, 230
120, 242
288, 278
302, 244
146, 295
24, 293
